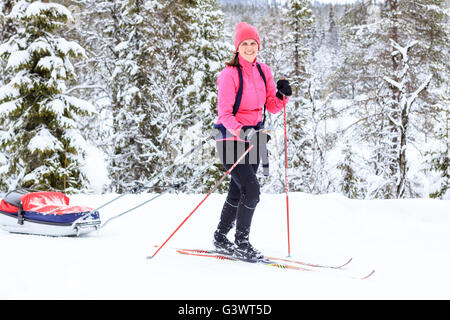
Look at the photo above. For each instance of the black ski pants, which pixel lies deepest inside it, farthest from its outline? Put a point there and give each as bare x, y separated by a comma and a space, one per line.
243, 196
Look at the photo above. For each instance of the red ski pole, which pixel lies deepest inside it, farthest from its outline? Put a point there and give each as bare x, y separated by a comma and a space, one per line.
286, 187
207, 195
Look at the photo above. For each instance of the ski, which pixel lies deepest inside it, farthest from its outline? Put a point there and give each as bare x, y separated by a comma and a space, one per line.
271, 262
306, 264
313, 264
221, 256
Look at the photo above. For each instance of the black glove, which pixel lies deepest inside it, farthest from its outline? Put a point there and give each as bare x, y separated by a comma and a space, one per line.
284, 89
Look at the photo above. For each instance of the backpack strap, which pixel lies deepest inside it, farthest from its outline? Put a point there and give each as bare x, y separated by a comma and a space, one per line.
261, 73
238, 99
237, 102
265, 83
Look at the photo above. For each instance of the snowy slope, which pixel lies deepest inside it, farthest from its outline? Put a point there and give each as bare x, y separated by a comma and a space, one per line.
406, 241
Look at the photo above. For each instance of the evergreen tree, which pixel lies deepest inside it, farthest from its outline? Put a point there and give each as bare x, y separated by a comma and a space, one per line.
439, 157
44, 145
6, 31
135, 134
351, 184
165, 76
299, 19
206, 53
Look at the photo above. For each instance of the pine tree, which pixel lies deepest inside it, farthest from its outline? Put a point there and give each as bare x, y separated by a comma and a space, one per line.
7, 29
165, 76
439, 158
301, 145
205, 56
351, 184
43, 142
135, 132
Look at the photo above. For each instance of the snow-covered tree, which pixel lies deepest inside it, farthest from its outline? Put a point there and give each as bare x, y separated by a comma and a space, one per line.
398, 112
43, 142
135, 134
302, 148
350, 183
7, 27
370, 62
439, 155
165, 74
6, 31
205, 57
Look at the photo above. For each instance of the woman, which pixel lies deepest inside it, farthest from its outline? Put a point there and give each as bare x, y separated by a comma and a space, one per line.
258, 93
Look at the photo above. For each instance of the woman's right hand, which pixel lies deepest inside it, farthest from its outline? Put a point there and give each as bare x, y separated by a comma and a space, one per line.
235, 132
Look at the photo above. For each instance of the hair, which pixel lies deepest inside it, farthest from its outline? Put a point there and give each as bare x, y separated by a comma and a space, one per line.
234, 62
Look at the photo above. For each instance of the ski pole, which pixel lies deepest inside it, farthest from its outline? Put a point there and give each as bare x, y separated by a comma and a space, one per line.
207, 195
286, 187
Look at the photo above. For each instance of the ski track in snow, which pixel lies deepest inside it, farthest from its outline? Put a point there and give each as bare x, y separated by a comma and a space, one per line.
405, 241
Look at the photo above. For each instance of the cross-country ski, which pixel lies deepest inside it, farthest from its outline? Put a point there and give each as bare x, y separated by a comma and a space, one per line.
273, 262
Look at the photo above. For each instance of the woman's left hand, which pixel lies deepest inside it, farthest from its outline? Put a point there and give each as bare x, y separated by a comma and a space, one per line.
284, 89
235, 132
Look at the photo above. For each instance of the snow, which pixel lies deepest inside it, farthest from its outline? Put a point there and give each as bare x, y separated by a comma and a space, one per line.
394, 83
9, 106
51, 63
40, 46
82, 105
44, 140
56, 106
8, 91
67, 47
6, 47
36, 8
95, 169
18, 58
406, 241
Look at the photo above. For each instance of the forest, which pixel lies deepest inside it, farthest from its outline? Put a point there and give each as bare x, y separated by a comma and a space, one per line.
101, 96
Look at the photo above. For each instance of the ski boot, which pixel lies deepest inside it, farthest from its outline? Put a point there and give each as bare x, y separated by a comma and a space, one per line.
222, 244
226, 223
243, 250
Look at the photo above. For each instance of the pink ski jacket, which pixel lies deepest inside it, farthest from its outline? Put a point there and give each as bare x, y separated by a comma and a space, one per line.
255, 94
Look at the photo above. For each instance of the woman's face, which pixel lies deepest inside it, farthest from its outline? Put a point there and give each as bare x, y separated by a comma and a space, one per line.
248, 49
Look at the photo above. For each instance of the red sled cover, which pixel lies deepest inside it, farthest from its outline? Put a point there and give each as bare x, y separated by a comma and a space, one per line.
50, 203
47, 202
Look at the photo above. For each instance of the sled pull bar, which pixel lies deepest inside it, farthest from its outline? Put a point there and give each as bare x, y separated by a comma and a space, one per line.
160, 174
176, 186
129, 210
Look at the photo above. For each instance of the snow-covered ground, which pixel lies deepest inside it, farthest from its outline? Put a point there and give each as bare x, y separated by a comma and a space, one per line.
406, 241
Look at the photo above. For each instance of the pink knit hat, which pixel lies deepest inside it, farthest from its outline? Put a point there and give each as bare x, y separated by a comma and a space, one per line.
245, 31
